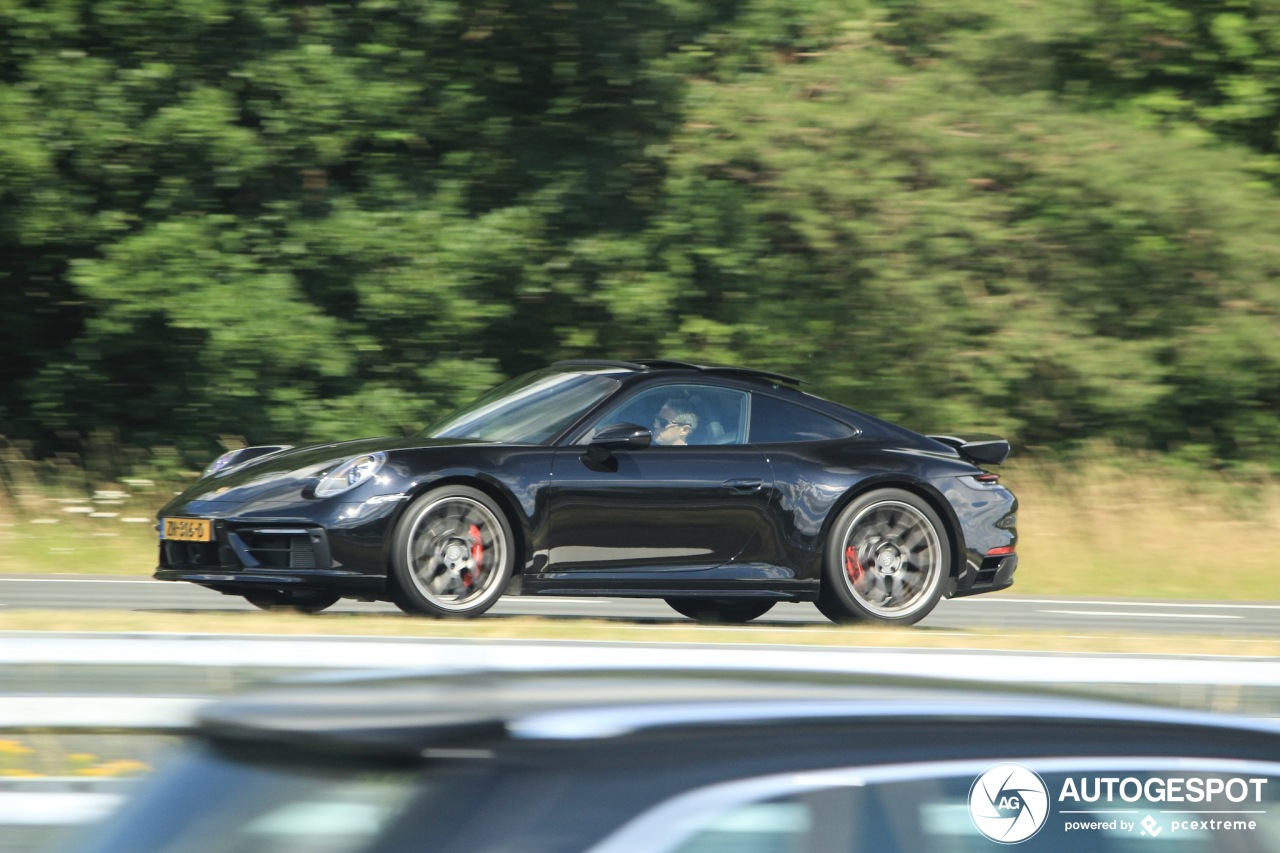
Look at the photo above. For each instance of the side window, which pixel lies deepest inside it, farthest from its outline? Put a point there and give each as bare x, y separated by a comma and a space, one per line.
884, 818
812, 822
774, 420
1057, 806
680, 415
773, 827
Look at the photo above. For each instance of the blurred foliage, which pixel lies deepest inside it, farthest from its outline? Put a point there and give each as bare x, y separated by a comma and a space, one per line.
20, 760
292, 221
50, 753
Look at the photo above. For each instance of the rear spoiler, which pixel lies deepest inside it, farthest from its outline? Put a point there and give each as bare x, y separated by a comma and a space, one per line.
981, 449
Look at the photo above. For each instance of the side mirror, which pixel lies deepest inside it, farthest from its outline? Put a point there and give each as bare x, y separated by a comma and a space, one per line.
618, 437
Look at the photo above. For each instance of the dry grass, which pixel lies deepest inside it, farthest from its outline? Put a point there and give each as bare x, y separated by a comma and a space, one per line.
1138, 530
527, 628
58, 516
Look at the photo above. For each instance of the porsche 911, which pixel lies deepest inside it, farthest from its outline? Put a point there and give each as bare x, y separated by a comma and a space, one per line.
721, 490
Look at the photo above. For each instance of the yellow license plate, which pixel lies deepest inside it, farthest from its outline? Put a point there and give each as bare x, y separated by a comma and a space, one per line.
188, 529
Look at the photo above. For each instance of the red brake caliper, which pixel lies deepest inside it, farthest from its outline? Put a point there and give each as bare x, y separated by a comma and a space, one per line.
477, 556
852, 565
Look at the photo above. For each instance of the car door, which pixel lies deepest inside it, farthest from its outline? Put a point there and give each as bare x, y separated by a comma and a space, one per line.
661, 514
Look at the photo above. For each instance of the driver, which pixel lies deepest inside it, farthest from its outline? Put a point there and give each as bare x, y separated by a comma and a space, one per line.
674, 422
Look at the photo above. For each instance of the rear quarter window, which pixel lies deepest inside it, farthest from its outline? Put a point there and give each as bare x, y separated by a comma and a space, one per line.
775, 421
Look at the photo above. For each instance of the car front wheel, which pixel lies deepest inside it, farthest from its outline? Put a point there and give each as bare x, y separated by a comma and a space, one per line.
887, 560
722, 610
452, 553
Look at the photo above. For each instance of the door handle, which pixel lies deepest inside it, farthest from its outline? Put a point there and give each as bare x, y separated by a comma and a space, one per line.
744, 485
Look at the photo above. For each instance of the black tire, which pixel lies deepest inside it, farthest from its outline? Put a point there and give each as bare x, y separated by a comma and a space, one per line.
887, 560
297, 600
720, 610
452, 554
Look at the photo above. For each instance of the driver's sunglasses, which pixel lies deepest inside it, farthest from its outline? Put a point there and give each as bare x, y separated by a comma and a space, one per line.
666, 424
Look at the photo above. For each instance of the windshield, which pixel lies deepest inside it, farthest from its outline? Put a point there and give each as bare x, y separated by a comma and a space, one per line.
530, 409
207, 802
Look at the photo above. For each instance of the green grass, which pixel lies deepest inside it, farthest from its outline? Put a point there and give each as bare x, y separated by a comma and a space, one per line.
1109, 525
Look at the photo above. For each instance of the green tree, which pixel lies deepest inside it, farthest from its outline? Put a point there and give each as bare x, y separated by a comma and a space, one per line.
291, 221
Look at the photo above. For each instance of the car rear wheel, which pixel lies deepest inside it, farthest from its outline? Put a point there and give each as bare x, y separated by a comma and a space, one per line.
887, 558
452, 553
297, 600
723, 610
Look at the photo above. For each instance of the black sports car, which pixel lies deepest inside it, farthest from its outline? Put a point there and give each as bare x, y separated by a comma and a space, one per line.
721, 490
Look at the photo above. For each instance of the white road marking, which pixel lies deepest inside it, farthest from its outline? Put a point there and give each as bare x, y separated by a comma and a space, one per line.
1143, 615
81, 580
981, 599
1066, 607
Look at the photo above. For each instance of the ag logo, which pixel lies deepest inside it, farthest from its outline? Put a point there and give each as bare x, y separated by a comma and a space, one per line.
1009, 803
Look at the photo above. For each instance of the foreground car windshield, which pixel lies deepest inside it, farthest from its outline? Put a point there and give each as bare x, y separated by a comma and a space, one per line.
248, 805
530, 409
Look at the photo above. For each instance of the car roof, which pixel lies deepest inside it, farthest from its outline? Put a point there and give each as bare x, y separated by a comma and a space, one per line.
409, 714
655, 365
778, 384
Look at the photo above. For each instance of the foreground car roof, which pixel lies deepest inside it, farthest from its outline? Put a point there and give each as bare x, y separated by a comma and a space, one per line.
399, 714
647, 759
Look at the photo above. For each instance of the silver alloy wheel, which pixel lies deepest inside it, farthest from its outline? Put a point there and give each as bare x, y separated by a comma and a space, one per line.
455, 552
892, 559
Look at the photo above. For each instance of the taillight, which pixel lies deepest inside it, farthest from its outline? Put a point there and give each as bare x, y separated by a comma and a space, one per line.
989, 479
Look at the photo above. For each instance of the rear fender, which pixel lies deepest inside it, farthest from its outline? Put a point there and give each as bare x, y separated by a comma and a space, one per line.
923, 490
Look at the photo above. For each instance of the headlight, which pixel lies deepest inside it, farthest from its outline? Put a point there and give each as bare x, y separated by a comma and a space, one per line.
350, 474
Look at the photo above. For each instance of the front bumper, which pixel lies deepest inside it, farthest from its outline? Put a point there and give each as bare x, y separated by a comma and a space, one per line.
249, 555
346, 584
251, 546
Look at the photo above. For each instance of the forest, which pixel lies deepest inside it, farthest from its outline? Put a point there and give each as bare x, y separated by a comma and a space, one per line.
261, 221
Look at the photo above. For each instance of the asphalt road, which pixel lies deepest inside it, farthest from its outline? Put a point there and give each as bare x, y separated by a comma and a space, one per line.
994, 611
